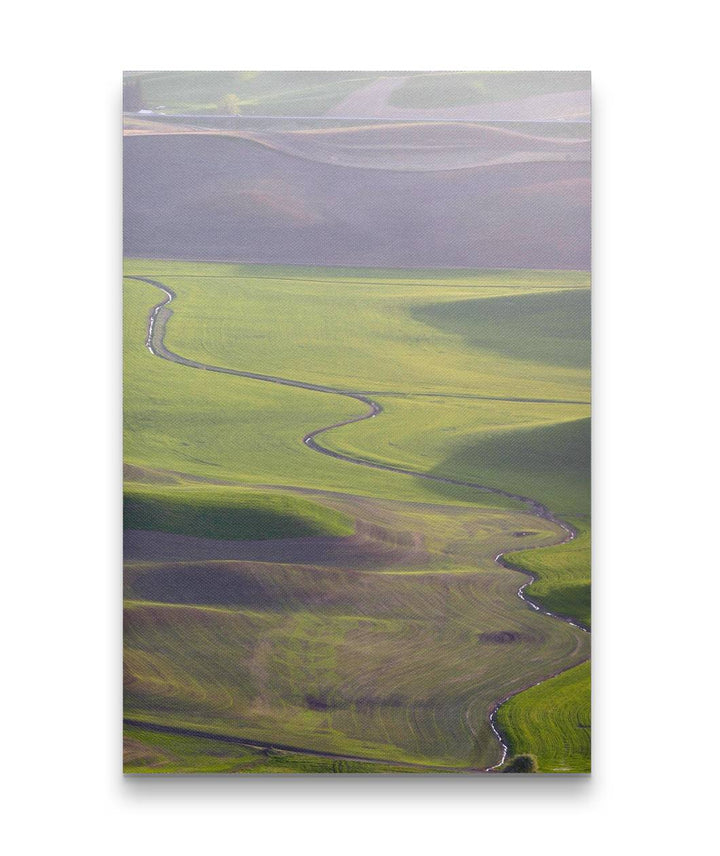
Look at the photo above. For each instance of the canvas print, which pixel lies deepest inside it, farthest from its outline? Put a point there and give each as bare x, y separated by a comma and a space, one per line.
357, 422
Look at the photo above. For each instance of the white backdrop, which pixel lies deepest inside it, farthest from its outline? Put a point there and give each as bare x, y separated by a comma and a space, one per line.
655, 201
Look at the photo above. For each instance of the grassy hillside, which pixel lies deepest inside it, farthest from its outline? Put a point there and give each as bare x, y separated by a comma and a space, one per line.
563, 572
152, 752
550, 327
227, 428
395, 662
272, 93
229, 513
552, 722
477, 87
361, 332
396, 649
521, 448
352, 332
313, 93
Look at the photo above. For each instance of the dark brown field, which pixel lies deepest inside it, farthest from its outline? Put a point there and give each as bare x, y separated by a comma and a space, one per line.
216, 197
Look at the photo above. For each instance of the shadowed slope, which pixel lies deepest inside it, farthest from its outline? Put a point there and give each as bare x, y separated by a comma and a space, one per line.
552, 328
211, 197
229, 513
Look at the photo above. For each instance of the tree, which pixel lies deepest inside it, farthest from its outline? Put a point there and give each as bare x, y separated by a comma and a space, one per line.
132, 95
522, 764
230, 104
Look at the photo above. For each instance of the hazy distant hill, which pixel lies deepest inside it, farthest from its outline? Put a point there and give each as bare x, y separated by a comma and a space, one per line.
225, 198
474, 95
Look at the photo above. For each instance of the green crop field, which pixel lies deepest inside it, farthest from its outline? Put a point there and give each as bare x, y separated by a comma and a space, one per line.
152, 752
237, 429
547, 459
563, 572
376, 330
552, 722
229, 513
393, 641
259, 92
399, 660
441, 416
313, 93
476, 87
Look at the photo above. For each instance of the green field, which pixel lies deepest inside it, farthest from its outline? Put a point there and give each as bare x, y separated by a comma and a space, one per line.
398, 650
360, 330
399, 660
523, 448
152, 752
438, 418
233, 513
455, 89
239, 430
563, 572
313, 93
552, 722
271, 93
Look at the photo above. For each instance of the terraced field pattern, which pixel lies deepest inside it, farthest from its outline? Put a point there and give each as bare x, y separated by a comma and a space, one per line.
365, 609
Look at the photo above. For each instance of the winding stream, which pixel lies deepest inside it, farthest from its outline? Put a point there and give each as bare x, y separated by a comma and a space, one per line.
155, 343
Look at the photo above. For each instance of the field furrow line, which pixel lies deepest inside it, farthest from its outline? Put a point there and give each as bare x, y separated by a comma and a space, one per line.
157, 321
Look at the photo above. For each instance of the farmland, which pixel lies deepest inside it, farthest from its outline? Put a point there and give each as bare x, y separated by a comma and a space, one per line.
532, 414
461, 88
318, 93
395, 646
268, 92
552, 722
563, 573
357, 421
388, 198
393, 661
